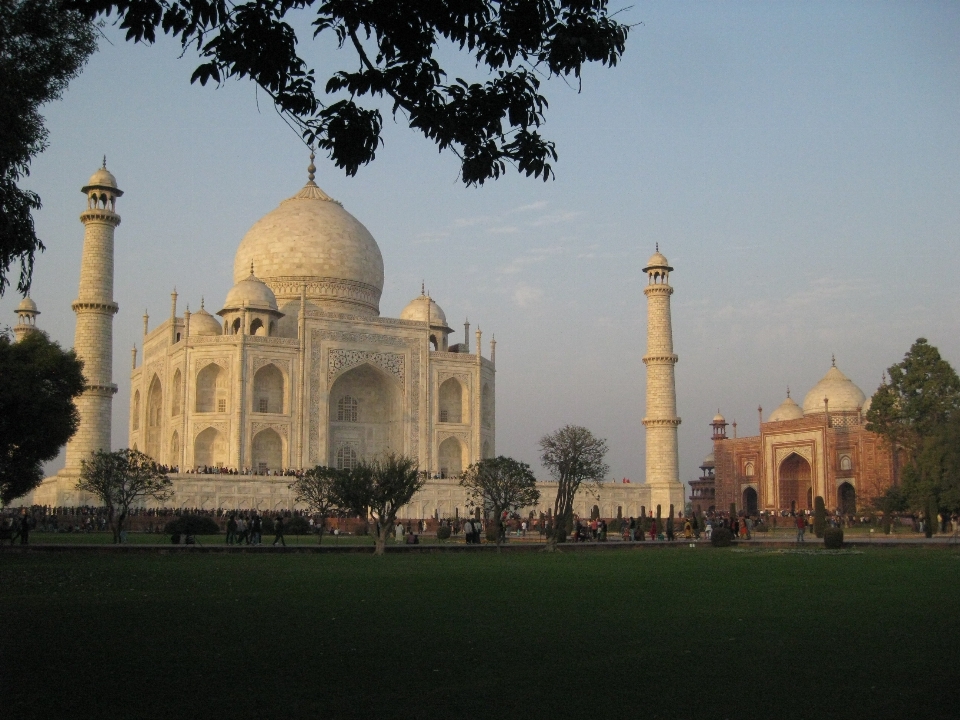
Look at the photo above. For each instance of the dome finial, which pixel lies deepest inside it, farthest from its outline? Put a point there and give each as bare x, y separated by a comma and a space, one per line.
657, 246
201, 302
833, 360
311, 169
251, 268
104, 166
423, 288
788, 391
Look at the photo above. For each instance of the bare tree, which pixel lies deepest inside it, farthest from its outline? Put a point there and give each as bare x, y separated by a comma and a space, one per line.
573, 456
315, 489
120, 479
501, 485
377, 490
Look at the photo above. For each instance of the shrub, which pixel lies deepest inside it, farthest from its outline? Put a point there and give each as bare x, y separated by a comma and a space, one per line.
885, 523
722, 537
819, 517
296, 525
192, 525
833, 538
443, 532
491, 532
761, 527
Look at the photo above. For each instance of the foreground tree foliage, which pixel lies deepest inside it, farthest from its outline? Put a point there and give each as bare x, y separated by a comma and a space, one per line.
573, 456
917, 412
38, 382
390, 51
501, 485
121, 479
315, 489
42, 47
377, 490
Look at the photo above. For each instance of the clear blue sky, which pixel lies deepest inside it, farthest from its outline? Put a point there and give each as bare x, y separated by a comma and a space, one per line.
799, 164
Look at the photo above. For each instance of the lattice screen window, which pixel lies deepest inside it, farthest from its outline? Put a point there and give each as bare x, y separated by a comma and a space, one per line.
444, 416
347, 409
263, 404
346, 458
221, 405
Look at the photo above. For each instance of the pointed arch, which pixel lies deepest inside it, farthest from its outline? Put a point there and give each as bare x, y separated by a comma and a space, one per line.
793, 483
210, 448
177, 393
372, 417
451, 454
136, 410
154, 417
268, 390
211, 389
452, 401
267, 450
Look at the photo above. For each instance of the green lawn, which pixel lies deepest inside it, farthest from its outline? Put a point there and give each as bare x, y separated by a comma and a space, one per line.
678, 632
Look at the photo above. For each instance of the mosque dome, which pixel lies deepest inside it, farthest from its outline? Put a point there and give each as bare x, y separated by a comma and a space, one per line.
203, 323
709, 461
420, 307
718, 419
840, 392
311, 240
788, 410
102, 178
866, 404
27, 305
252, 293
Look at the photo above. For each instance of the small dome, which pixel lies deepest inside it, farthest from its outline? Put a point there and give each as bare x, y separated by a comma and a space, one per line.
840, 392
422, 306
866, 404
27, 305
251, 292
718, 419
709, 461
657, 260
203, 323
102, 178
788, 410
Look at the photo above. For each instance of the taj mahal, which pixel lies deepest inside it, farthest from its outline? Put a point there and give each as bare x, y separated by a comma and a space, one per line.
298, 368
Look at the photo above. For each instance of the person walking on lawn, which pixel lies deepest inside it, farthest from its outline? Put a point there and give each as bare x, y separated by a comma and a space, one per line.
278, 531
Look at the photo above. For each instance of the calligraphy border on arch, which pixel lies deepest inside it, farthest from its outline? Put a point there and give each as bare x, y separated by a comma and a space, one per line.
411, 392
339, 360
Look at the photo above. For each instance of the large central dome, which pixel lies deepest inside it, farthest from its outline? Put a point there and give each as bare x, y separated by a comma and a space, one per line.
311, 240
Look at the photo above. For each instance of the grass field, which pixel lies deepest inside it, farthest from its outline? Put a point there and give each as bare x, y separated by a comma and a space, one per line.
685, 633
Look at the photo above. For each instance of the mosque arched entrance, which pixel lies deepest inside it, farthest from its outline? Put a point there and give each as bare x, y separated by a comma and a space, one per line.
365, 413
794, 477
750, 501
846, 499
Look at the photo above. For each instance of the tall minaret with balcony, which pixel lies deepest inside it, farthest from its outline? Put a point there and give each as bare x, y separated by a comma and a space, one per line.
663, 465
95, 308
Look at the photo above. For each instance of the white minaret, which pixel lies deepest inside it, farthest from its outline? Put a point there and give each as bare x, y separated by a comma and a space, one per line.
95, 308
663, 466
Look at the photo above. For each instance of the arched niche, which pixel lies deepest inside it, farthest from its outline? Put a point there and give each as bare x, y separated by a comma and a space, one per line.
257, 327
136, 410
847, 499
486, 406
211, 389
154, 418
794, 478
210, 449
451, 457
378, 411
177, 393
452, 401
268, 390
267, 451
175, 448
